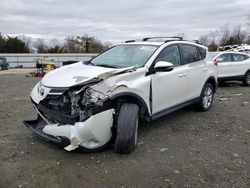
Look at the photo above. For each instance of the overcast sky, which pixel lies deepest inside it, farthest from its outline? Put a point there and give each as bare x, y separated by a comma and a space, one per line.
118, 20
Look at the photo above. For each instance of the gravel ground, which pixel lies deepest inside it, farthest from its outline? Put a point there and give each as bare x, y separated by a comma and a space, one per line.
184, 149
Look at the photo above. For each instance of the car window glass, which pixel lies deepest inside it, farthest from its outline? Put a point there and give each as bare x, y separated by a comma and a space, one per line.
203, 53
246, 57
225, 58
125, 56
238, 57
170, 54
190, 54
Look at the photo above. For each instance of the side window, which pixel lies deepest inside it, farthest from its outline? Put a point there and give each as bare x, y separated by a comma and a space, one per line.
170, 54
238, 57
246, 57
190, 53
225, 58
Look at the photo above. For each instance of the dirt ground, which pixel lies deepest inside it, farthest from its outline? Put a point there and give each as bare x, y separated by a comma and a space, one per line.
184, 149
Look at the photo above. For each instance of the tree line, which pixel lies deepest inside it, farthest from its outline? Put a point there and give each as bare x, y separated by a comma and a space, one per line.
72, 44
13, 45
226, 35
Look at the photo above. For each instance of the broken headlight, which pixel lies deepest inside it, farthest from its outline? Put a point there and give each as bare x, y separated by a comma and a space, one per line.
93, 97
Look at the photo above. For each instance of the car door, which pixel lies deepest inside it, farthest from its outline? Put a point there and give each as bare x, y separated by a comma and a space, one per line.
168, 88
239, 65
225, 63
196, 69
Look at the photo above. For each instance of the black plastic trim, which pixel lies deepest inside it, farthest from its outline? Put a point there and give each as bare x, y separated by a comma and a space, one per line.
57, 115
231, 78
36, 127
174, 108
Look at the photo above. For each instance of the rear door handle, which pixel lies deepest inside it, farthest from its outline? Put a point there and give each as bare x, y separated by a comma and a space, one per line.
182, 75
204, 70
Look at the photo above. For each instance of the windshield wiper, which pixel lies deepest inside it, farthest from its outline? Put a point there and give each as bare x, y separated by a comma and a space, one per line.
89, 63
105, 65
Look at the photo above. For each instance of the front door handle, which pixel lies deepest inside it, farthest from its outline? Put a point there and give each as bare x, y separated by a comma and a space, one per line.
182, 75
204, 70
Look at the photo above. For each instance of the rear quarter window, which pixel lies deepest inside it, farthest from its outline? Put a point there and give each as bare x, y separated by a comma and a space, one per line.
239, 57
246, 57
190, 53
203, 52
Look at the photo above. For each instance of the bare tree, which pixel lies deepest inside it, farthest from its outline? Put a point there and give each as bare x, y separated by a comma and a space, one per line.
225, 35
86, 42
54, 42
204, 39
26, 40
238, 35
71, 46
213, 36
40, 45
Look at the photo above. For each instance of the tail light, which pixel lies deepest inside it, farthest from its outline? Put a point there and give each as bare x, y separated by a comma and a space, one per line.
215, 62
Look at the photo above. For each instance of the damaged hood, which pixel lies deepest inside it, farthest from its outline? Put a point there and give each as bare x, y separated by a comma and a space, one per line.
77, 74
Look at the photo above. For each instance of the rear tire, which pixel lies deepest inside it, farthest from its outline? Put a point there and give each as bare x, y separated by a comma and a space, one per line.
127, 128
246, 79
206, 97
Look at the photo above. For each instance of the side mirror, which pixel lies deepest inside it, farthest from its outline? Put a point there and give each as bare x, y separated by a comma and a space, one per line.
163, 66
219, 59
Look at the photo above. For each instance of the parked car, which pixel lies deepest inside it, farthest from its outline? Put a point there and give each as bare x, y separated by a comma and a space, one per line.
233, 66
4, 65
92, 104
237, 48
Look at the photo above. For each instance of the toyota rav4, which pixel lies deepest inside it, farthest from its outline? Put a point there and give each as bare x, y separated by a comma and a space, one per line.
89, 105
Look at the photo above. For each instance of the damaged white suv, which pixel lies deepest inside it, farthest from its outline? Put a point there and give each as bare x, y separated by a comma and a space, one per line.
89, 105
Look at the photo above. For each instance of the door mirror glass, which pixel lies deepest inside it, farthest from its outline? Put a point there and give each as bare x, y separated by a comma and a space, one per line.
163, 66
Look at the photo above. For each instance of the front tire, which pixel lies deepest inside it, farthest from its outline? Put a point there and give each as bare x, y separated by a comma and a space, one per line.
206, 97
127, 128
246, 79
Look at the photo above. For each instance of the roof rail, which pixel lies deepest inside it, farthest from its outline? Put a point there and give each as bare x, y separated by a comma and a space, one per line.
148, 38
168, 39
196, 41
128, 41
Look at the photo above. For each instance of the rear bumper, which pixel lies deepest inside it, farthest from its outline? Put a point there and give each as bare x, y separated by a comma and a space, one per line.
36, 126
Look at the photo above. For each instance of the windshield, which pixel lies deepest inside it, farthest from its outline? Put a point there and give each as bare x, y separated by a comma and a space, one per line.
125, 56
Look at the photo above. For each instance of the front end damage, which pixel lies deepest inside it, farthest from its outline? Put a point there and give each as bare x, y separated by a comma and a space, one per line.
72, 117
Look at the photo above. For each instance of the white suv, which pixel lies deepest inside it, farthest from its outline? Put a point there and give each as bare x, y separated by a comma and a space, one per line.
89, 105
233, 66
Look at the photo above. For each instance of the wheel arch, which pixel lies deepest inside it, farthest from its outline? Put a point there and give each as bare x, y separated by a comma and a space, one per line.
129, 97
247, 72
212, 80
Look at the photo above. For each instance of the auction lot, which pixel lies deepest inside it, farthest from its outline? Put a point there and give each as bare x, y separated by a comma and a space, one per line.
184, 149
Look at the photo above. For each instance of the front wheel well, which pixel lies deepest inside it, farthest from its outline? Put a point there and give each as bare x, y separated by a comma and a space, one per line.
120, 99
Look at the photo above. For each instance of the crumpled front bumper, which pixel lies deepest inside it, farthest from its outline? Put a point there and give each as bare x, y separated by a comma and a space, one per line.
36, 126
91, 134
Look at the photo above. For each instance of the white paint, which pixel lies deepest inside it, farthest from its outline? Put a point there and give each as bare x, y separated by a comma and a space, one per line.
235, 68
97, 127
